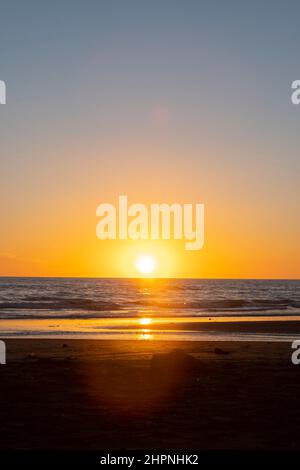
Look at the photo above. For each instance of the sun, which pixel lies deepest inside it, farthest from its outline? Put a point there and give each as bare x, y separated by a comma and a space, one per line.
145, 264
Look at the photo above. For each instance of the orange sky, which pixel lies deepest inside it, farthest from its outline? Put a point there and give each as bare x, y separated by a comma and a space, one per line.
56, 236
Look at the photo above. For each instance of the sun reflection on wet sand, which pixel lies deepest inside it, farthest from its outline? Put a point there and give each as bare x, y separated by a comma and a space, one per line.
145, 335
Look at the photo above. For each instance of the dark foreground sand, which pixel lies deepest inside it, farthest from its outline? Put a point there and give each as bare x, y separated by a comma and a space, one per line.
90, 394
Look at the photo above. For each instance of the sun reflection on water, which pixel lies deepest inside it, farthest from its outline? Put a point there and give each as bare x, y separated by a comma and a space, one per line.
145, 321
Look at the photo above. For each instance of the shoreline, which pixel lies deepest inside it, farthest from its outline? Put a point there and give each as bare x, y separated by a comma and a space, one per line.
156, 329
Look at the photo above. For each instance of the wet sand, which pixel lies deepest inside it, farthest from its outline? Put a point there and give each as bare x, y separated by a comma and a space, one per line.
92, 394
230, 328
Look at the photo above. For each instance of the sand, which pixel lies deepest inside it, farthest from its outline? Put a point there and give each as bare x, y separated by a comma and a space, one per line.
93, 394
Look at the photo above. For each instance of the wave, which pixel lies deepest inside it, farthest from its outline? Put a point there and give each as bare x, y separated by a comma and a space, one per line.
58, 304
39, 303
211, 305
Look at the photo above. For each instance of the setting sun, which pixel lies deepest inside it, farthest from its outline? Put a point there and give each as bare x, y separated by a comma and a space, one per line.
145, 264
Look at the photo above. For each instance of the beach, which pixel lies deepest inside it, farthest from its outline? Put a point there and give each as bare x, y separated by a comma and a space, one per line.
101, 394
163, 364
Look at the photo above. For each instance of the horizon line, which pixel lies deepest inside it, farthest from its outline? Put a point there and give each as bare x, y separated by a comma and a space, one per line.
156, 278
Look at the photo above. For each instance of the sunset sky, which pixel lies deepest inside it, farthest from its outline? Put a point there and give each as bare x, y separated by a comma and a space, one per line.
164, 101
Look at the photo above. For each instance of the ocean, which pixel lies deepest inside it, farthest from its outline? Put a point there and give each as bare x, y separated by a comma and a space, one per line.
53, 306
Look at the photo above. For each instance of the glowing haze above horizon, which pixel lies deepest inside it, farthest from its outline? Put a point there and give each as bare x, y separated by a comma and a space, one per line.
164, 102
